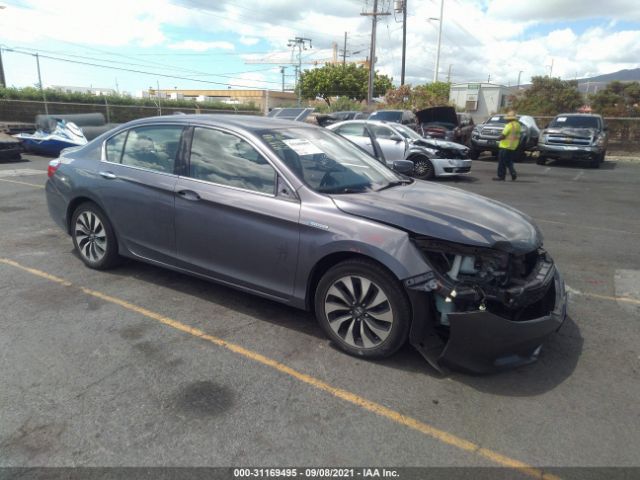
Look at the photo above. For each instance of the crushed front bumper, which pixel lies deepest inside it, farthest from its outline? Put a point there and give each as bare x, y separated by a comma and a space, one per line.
445, 167
568, 152
481, 341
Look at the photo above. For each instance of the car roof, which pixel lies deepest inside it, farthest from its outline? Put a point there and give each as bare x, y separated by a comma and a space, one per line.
578, 115
245, 122
365, 121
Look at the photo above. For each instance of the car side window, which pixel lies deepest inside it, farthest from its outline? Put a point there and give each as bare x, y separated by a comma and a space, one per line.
113, 147
381, 132
225, 159
152, 148
354, 129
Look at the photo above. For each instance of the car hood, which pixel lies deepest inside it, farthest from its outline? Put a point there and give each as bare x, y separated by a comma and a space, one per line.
437, 144
571, 132
446, 213
438, 114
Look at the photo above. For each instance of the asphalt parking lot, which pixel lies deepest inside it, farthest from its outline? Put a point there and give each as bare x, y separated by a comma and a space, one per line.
143, 367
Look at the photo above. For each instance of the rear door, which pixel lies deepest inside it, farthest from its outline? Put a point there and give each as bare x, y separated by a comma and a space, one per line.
136, 184
388, 141
355, 131
230, 222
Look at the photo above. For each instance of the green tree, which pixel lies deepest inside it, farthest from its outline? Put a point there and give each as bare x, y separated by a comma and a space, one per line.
348, 80
548, 96
419, 97
617, 99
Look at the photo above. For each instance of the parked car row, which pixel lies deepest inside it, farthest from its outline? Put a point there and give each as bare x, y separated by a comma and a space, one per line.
569, 136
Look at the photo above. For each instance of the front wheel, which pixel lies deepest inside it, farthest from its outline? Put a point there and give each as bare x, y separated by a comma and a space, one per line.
93, 237
363, 309
423, 168
474, 154
542, 160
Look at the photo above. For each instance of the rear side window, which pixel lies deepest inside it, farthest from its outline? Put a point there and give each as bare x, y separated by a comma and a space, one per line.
114, 146
225, 159
152, 148
355, 129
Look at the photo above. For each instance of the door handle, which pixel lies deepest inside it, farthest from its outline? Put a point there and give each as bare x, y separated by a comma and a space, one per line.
189, 195
108, 175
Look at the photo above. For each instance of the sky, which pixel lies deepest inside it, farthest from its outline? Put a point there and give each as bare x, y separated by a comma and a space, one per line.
132, 45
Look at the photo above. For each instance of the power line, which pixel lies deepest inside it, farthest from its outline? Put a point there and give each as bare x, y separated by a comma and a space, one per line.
156, 74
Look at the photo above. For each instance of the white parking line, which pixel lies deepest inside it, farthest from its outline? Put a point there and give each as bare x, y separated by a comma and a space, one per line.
18, 172
577, 177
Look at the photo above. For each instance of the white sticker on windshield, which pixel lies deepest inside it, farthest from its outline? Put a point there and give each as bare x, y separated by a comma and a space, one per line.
302, 146
561, 119
495, 119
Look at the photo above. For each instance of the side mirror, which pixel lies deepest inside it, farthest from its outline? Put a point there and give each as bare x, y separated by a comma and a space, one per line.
403, 166
396, 138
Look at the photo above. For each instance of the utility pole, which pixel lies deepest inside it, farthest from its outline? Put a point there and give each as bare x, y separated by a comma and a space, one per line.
44, 96
159, 101
404, 39
344, 50
449, 74
489, 79
519, 75
372, 53
3, 82
301, 43
282, 69
435, 73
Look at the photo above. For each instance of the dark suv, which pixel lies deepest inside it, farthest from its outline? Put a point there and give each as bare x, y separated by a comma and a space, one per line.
405, 117
574, 136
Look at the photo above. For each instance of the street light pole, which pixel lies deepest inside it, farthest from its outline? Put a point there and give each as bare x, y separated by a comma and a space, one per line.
519, 73
44, 96
404, 39
435, 73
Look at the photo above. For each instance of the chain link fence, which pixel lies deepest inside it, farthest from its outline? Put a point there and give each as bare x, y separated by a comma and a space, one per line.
25, 111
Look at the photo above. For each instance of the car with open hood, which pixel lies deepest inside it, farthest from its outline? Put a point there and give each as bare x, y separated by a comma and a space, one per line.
574, 136
390, 142
445, 123
300, 215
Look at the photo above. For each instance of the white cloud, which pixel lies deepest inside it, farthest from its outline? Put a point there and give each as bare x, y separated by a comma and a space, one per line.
200, 46
249, 40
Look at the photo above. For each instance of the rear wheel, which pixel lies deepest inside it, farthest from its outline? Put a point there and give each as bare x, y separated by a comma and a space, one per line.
93, 237
422, 168
363, 309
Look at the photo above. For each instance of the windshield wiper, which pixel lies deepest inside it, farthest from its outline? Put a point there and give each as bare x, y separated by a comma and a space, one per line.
395, 183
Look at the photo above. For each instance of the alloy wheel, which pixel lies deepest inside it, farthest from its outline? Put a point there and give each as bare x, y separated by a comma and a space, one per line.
91, 236
358, 311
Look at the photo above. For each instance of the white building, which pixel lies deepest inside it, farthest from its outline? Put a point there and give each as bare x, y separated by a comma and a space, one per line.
94, 91
480, 99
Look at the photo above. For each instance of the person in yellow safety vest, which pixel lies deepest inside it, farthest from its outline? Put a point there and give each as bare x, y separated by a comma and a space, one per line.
508, 146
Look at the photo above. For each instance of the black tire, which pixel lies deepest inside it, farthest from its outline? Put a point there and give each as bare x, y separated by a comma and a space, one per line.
542, 160
96, 242
602, 155
595, 162
422, 168
382, 283
474, 154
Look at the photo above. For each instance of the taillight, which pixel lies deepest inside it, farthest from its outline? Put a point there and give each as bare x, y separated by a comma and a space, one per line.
53, 166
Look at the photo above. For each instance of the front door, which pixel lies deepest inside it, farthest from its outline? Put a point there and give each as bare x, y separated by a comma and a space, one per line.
230, 224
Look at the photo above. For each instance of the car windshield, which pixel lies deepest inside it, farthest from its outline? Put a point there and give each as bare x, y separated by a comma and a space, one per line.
574, 122
327, 162
406, 132
389, 116
497, 119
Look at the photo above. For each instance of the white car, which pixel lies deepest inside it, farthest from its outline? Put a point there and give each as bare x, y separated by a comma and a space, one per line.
391, 141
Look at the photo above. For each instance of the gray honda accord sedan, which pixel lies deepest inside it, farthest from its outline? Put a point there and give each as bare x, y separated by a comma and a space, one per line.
300, 215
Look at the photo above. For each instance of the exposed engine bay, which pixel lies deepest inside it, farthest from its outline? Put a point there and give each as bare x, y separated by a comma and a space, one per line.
465, 278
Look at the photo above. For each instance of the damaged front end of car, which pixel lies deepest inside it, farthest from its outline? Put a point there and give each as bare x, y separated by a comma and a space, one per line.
483, 309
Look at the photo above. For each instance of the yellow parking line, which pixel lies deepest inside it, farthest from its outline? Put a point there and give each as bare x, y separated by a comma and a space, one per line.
21, 183
378, 409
